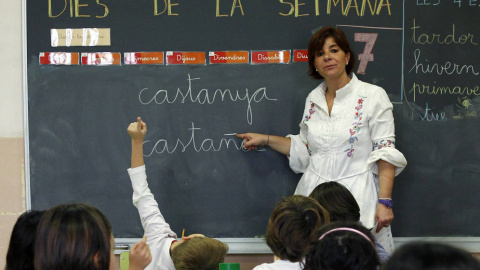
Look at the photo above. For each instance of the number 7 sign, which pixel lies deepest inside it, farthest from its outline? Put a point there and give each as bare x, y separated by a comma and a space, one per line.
367, 55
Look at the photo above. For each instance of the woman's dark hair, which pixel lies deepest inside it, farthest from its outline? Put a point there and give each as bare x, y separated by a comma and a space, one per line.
22, 241
316, 45
430, 256
292, 225
74, 237
343, 248
337, 200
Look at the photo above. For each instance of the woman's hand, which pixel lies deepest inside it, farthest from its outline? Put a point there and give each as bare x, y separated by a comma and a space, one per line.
252, 140
277, 143
383, 216
386, 175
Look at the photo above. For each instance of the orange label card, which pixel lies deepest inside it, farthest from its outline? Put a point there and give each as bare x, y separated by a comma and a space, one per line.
143, 58
300, 55
101, 58
185, 58
58, 58
271, 57
230, 57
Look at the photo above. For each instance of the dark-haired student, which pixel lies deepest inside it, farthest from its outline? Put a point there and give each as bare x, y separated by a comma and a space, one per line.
79, 237
430, 256
190, 253
22, 241
343, 245
342, 206
291, 228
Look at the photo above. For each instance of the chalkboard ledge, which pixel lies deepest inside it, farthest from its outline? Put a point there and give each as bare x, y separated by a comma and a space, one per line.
258, 246
236, 245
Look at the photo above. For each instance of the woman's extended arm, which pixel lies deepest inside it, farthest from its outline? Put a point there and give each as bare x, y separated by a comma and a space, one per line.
277, 143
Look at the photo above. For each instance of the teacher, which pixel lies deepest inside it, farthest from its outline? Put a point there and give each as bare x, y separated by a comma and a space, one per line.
347, 133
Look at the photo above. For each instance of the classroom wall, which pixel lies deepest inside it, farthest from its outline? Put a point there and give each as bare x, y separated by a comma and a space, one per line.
12, 179
12, 173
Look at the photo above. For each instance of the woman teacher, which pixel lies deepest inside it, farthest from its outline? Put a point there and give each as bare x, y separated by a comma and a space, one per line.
347, 133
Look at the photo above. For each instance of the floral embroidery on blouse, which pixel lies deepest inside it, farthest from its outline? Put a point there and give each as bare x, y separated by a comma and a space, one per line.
311, 111
308, 149
355, 127
382, 144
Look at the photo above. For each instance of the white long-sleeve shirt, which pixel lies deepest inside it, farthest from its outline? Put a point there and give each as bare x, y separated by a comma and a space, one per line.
346, 145
158, 232
280, 265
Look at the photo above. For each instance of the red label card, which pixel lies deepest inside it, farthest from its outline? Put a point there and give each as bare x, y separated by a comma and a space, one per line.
300, 55
271, 57
101, 59
229, 57
143, 58
58, 58
186, 58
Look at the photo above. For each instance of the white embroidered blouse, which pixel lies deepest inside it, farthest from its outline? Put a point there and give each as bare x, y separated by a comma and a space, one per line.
345, 146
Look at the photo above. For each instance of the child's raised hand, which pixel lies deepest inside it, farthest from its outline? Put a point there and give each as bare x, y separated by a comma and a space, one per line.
139, 255
137, 130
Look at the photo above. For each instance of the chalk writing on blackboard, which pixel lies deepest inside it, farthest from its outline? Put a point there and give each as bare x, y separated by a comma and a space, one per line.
199, 145
197, 94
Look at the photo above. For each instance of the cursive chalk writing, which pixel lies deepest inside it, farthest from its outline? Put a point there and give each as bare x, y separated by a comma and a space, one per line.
425, 89
204, 96
205, 145
447, 68
430, 116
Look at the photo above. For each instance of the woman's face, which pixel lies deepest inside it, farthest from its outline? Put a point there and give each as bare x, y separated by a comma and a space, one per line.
331, 61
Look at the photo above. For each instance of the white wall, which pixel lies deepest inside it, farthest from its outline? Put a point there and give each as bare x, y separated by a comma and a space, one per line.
11, 93
12, 180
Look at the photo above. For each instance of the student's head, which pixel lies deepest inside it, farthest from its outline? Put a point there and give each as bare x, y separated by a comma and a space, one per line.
343, 245
292, 225
316, 45
75, 237
430, 256
22, 241
199, 252
337, 200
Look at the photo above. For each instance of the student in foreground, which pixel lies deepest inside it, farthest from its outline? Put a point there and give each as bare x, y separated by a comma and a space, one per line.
190, 253
290, 231
22, 241
342, 206
343, 245
430, 256
79, 237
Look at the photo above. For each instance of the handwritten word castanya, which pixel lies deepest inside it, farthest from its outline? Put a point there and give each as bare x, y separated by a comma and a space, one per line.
198, 145
202, 96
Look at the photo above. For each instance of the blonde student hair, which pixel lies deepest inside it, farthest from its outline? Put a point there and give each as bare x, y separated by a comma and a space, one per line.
199, 253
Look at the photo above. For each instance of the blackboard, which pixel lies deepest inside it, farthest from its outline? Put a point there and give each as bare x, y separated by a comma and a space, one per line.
77, 115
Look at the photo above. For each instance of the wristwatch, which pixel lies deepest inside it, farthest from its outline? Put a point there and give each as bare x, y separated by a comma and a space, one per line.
387, 202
